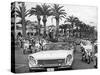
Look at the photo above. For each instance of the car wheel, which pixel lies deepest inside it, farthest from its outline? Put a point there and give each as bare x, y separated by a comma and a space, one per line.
30, 70
71, 67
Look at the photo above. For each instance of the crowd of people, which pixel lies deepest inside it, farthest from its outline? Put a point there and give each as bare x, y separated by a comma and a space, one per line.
30, 43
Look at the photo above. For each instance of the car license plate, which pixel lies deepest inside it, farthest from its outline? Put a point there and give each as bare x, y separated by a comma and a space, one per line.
50, 69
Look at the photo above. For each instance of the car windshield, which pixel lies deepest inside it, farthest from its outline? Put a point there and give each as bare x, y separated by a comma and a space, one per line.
58, 46
44, 45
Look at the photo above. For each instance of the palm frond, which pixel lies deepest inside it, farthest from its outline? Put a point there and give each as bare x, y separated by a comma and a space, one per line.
32, 11
27, 13
63, 16
19, 14
45, 9
58, 12
60, 7
20, 22
20, 8
38, 10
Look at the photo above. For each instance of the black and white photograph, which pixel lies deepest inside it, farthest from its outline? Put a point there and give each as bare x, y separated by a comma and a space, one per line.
49, 37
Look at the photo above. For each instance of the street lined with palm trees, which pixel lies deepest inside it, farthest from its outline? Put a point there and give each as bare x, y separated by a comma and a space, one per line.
72, 23
71, 30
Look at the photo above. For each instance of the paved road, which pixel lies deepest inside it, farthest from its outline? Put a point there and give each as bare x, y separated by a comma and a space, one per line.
22, 62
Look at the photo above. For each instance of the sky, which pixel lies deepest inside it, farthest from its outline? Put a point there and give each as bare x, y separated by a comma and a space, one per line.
87, 14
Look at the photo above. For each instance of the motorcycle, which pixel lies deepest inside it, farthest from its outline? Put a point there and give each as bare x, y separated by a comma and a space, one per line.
86, 55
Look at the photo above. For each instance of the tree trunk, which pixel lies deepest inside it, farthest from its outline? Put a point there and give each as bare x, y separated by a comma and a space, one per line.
44, 22
39, 19
72, 27
57, 28
23, 20
65, 32
44, 29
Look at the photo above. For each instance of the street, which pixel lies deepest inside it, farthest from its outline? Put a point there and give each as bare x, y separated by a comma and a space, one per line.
21, 62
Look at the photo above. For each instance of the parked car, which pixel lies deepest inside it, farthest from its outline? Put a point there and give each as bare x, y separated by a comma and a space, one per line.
50, 60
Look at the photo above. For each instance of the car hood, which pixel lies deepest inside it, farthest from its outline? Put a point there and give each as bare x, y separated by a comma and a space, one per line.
51, 54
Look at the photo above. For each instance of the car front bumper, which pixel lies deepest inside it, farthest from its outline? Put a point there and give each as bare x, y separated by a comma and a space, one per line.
44, 68
54, 66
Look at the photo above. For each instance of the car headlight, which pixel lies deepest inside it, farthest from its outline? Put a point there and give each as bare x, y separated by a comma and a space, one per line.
33, 60
69, 57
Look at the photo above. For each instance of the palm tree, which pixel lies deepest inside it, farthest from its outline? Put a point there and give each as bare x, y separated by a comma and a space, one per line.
84, 30
78, 24
58, 14
12, 23
36, 11
22, 13
72, 20
12, 10
46, 11
12, 15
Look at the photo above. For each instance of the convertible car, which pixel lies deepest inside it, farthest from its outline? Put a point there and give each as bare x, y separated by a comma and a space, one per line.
50, 60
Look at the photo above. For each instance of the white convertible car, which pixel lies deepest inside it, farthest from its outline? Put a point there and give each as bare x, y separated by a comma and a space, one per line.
51, 59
